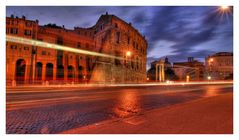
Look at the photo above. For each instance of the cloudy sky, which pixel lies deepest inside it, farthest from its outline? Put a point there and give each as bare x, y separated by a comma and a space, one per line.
176, 32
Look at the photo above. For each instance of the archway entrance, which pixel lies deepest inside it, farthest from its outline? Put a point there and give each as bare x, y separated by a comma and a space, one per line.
60, 72
80, 73
70, 71
38, 71
49, 71
20, 70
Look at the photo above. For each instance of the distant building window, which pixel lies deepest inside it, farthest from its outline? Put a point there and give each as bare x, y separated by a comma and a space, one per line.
28, 24
43, 52
7, 31
87, 45
14, 22
116, 25
14, 30
78, 45
60, 41
26, 48
13, 47
7, 22
101, 27
27, 32
128, 40
117, 37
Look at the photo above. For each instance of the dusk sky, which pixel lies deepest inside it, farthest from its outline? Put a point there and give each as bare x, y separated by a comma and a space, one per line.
176, 32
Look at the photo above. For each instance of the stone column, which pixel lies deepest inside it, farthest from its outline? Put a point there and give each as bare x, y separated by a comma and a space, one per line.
54, 72
65, 72
163, 78
156, 74
27, 73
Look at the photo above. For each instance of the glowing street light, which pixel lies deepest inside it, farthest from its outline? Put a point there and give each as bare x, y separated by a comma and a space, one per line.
128, 53
211, 60
209, 77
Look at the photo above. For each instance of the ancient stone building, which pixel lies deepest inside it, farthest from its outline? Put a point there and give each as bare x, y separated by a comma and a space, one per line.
110, 35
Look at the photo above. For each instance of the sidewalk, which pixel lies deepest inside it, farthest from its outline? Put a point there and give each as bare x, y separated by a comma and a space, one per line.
212, 115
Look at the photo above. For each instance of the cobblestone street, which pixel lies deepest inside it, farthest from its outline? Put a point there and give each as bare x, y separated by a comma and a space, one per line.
55, 112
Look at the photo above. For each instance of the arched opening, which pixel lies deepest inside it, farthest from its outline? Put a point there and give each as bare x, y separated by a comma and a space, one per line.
20, 70
60, 72
38, 71
70, 71
49, 71
80, 73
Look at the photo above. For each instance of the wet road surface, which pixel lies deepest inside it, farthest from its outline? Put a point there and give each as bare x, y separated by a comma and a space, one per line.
60, 110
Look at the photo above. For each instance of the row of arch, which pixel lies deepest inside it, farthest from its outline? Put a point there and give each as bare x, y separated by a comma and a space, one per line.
20, 72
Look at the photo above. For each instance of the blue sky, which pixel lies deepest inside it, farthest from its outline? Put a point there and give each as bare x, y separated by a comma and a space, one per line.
177, 32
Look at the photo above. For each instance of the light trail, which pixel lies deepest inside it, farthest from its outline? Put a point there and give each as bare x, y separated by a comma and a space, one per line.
57, 47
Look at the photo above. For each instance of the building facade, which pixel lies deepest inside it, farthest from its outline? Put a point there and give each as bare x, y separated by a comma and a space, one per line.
219, 66
192, 70
110, 35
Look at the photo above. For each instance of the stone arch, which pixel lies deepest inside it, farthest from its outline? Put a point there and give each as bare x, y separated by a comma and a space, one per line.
60, 72
80, 72
49, 71
20, 70
70, 73
38, 71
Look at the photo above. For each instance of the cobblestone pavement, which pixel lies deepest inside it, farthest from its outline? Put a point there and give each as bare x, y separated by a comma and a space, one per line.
55, 112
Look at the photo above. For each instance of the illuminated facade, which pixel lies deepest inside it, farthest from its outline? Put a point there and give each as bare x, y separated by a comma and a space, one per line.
219, 66
192, 70
110, 35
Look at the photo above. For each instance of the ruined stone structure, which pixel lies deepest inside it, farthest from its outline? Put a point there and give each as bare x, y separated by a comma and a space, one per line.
110, 35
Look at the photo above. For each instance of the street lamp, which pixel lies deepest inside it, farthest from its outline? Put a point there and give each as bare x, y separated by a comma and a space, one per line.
128, 53
209, 77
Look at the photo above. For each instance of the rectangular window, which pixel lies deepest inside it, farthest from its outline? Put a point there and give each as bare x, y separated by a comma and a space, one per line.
7, 31
78, 45
7, 22
27, 32
128, 40
43, 53
13, 47
87, 45
117, 37
26, 48
28, 24
13, 30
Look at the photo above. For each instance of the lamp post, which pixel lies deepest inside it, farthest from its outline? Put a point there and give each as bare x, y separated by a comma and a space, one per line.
127, 54
210, 62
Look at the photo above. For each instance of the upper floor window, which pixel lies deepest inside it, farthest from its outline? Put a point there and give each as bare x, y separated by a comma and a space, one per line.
28, 24
43, 52
78, 45
116, 25
87, 45
13, 47
117, 37
7, 22
59, 41
14, 30
128, 40
27, 32
26, 48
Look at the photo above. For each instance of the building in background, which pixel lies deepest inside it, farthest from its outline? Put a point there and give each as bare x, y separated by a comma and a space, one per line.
192, 70
219, 66
166, 74
110, 35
